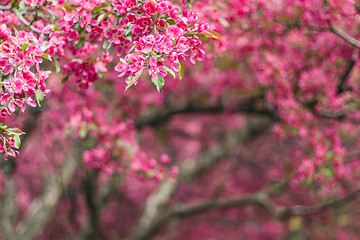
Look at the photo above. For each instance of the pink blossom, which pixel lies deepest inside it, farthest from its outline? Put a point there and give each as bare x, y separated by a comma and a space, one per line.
203, 27
174, 32
156, 68
163, 7
143, 22
131, 18
150, 7
161, 23
122, 67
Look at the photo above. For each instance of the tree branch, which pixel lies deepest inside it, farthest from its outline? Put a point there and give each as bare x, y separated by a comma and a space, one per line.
27, 23
318, 208
247, 105
89, 189
42, 208
22, 19
101, 200
344, 77
154, 209
8, 210
260, 198
343, 35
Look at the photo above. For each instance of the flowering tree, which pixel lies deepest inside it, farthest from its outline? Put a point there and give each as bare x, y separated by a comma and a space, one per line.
154, 119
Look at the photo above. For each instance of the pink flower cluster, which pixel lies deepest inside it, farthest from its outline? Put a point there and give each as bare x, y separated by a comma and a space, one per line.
20, 55
160, 36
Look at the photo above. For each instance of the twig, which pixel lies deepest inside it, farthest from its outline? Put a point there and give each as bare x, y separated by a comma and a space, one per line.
260, 198
36, 15
27, 23
4, 4
318, 208
248, 105
4, 8
22, 19
343, 35
341, 86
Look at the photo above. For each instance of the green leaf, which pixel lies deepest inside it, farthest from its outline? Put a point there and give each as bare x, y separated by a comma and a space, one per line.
39, 96
97, 9
24, 46
132, 79
224, 22
169, 71
22, 8
182, 70
65, 79
103, 16
6, 77
57, 64
188, 4
106, 46
171, 21
17, 141
81, 43
159, 83
43, 48
202, 36
128, 29
3, 126
22, 5
83, 132
132, 48
46, 57
14, 131
212, 34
